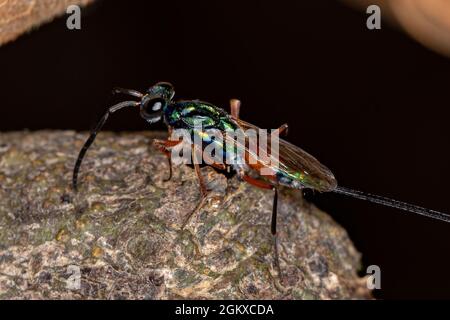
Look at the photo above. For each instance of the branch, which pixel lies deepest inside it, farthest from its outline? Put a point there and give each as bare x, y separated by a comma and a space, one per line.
20, 16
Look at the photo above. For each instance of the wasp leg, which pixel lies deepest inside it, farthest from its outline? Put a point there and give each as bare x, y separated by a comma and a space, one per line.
210, 161
235, 106
204, 193
196, 209
257, 183
169, 160
198, 171
163, 146
283, 129
201, 181
273, 229
273, 224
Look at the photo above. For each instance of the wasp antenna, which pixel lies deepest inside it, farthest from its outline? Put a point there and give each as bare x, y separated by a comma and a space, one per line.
393, 203
129, 92
93, 134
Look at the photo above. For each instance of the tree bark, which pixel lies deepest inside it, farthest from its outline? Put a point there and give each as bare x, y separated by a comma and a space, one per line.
121, 231
20, 16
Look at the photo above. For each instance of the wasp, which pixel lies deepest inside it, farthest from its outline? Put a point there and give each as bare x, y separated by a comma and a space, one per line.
294, 168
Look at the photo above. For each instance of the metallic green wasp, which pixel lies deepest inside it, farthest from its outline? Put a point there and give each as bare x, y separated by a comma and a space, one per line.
287, 165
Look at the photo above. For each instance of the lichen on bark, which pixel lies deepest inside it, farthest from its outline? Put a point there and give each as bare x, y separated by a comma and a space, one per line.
123, 228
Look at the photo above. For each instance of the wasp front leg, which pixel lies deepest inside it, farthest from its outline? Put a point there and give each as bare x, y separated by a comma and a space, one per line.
164, 147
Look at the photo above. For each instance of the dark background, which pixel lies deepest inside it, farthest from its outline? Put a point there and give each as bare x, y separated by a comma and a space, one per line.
371, 105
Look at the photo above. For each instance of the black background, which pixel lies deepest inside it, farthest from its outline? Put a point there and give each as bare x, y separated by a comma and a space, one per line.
371, 105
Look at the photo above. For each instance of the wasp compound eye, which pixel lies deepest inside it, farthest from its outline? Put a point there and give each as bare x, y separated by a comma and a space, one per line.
151, 110
157, 106
149, 107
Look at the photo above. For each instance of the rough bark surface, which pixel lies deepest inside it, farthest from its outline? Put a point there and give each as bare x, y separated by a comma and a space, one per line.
122, 229
20, 16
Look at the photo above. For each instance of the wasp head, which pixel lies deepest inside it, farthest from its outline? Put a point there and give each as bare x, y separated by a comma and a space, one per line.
156, 99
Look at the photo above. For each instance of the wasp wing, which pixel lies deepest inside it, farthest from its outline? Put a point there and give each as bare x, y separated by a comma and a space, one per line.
292, 162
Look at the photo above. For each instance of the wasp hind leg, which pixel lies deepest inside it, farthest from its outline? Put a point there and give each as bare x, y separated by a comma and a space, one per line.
273, 225
273, 230
235, 107
283, 129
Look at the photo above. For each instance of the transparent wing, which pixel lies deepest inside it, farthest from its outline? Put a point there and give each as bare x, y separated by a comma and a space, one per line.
296, 163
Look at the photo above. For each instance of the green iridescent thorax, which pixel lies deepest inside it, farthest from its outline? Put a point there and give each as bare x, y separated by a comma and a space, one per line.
202, 120
189, 114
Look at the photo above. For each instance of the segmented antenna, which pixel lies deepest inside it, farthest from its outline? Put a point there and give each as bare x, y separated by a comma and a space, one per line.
91, 138
393, 203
